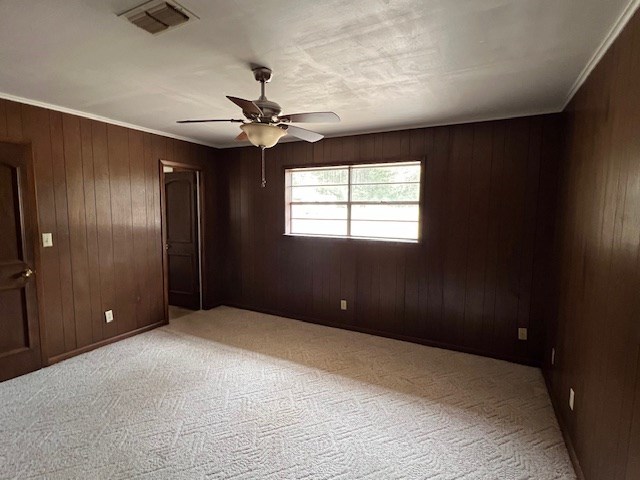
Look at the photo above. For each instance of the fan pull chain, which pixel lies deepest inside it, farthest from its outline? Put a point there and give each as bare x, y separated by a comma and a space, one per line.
264, 180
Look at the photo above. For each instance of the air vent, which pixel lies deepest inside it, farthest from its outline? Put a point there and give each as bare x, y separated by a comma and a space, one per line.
157, 16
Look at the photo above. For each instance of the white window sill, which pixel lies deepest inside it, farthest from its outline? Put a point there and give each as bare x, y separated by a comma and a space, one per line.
340, 237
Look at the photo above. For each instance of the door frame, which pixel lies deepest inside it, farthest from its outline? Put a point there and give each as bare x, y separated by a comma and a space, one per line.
201, 229
31, 229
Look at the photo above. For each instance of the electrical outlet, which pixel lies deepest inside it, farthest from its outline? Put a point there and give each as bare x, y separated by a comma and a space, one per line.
47, 240
553, 356
343, 304
522, 334
572, 397
108, 316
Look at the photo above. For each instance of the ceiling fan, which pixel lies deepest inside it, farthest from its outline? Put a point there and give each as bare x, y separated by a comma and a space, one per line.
263, 125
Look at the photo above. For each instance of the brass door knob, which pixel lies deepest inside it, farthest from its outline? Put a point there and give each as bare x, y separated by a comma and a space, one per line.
28, 273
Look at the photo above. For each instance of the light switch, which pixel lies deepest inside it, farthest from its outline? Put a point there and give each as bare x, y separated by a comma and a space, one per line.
47, 240
572, 397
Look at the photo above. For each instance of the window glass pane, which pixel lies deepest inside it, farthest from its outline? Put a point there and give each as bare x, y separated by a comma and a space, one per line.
320, 177
401, 230
320, 194
407, 192
385, 212
319, 227
386, 174
333, 212
384, 201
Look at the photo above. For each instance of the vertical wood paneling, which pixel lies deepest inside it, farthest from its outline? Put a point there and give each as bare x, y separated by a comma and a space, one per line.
493, 252
121, 213
13, 120
632, 453
77, 228
139, 224
3, 118
104, 222
152, 290
62, 222
596, 334
543, 301
466, 285
93, 253
479, 222
529, 212
456, 231
98, 194
511, 236
437, 175
159, 151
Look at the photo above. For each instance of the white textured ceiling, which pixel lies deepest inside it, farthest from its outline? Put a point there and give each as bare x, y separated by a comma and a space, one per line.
379, 64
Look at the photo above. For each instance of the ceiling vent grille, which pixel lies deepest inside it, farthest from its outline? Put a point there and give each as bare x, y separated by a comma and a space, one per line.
158, 16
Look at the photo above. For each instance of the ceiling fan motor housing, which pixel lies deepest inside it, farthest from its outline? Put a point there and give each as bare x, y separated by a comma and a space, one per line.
269, 108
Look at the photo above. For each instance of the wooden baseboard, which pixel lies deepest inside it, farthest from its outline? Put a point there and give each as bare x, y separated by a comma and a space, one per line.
563, 428
381, 333
102, 343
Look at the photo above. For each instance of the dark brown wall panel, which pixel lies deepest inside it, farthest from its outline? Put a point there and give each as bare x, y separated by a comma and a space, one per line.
597, 332
98, 193
93, 262
63, 238
478, 273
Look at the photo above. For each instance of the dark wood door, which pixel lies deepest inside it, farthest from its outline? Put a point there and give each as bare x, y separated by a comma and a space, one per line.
181, 217
19, 329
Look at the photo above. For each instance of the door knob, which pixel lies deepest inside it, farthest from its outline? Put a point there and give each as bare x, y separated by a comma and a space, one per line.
27, 273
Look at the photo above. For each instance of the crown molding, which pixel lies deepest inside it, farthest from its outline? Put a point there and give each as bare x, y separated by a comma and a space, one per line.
416, 126
602, 49
100, 118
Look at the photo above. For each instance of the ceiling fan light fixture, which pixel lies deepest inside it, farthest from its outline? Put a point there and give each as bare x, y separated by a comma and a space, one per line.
262, 134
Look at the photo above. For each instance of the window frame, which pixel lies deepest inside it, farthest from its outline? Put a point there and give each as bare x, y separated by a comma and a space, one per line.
348, 203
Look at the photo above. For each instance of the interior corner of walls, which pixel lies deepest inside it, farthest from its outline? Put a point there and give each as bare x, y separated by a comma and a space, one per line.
615, 31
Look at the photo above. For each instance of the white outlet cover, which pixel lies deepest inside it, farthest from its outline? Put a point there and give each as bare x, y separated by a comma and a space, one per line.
108, 316
522, 334
572, 397
47, 240
343, 304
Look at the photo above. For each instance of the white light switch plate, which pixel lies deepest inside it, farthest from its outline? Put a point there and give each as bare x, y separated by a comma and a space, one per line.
572, 397
108, 316
343, 304
47, 240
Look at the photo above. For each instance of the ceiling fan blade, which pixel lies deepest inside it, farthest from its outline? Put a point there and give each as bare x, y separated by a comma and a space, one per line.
242, 137
246, 105
303, 133
206, 121
311, 117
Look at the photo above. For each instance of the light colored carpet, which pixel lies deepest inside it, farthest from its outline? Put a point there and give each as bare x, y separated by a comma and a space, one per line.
235, 394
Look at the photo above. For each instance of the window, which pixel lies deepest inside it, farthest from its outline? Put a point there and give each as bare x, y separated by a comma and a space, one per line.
378, 201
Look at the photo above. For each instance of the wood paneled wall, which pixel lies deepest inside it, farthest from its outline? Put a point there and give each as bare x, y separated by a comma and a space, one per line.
97, 188
597, 334
479, 273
